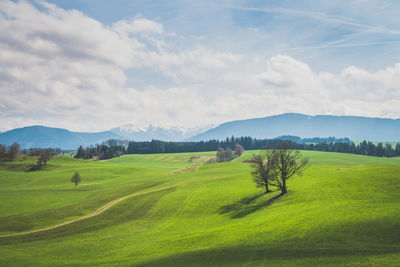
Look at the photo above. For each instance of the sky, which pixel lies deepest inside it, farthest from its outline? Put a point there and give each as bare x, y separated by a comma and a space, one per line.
94, 65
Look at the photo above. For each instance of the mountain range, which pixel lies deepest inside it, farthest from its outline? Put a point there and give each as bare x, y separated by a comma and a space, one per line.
44, 137
353, 127
164, 133
305, 126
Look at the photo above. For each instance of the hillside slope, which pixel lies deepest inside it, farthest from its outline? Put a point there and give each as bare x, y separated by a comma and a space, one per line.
353, 127
337, 214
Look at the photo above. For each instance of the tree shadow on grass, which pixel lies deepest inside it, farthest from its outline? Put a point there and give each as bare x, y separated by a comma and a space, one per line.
262, 255
247, 205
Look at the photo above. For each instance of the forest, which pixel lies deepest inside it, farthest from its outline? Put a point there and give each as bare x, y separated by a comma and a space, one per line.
115, 148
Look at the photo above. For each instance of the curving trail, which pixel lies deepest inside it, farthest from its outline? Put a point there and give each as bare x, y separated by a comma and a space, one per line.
96, 212
109, 205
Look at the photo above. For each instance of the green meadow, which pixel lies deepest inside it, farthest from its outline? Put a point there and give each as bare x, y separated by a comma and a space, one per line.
344, 211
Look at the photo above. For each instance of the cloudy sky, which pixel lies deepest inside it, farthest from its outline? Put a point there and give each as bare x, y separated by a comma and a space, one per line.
93, 65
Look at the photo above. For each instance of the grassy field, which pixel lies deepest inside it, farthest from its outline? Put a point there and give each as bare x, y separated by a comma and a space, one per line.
345, 210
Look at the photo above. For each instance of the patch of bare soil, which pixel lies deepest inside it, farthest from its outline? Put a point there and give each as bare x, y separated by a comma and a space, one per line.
189, 169
248, 161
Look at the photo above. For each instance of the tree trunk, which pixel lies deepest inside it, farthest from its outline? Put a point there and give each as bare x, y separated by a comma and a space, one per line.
266, 188
283, 189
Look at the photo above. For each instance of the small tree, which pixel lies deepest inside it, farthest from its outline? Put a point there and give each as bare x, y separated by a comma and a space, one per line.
220, 154
238, 150
263, 169
13, 150
224, 155
3, 152
228, 154
44, 157
76, 178
287, 162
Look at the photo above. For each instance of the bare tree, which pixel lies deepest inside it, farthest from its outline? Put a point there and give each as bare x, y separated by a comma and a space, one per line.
276, 166
287, 162
224, 155
238, 150
44, 157
13, 150
220, 154
76, 178
263, 169
228, 154
3, 151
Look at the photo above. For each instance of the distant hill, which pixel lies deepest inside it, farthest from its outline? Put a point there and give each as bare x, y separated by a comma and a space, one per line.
150, 132
44, 137
353, 127
289, 124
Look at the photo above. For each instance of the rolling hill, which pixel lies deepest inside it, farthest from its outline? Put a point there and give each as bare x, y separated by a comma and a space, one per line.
304, 126
163, 211
353, 127
44, 137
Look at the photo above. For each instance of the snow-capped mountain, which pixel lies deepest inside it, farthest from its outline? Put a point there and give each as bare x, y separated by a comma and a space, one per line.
150, 132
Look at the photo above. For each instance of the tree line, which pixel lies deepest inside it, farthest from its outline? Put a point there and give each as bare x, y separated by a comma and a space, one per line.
100, 152
9, 153
157, 146
44, 155
39, 151
300, 140
248, 143
115, 148
364, 148
344, 146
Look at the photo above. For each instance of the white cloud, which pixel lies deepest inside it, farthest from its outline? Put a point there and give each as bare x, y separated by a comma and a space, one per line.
137, 25
62, 68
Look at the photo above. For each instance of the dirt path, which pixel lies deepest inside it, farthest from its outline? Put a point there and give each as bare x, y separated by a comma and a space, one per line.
107, 206
96, 212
